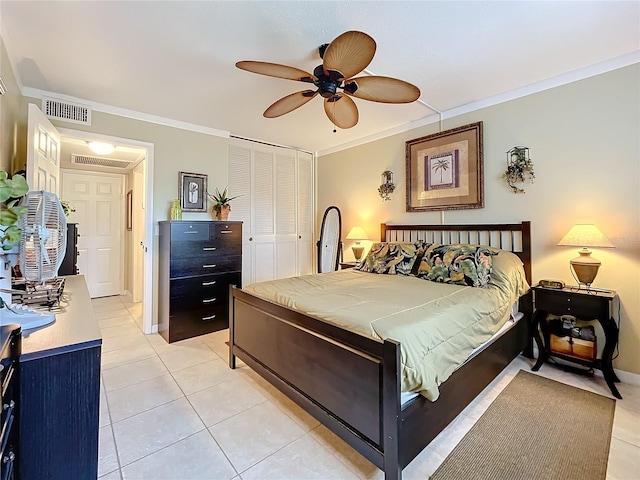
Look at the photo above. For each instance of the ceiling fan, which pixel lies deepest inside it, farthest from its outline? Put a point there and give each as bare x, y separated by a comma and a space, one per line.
348, 55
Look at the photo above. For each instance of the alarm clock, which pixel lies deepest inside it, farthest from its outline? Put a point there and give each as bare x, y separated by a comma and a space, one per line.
558, 284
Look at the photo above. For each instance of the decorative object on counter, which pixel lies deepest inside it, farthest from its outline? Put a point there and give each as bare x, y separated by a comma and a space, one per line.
193, 190
445, 170
585, 267
176, 210
357, 234
11, 191
387, 187
67, 208
221, 206
519, 168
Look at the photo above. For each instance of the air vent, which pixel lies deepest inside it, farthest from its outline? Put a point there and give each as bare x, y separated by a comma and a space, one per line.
67, 111
100, 161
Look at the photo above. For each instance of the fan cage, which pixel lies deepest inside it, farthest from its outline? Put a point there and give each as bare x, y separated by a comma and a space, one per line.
43, 239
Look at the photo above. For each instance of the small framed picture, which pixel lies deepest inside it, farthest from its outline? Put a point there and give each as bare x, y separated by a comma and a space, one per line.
193, 192
130, 210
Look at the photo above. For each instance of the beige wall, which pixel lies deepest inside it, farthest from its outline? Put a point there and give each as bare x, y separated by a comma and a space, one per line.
175, 150
585, 146
10, 104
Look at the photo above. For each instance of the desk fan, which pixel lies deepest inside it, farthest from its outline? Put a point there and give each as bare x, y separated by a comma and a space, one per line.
42, 249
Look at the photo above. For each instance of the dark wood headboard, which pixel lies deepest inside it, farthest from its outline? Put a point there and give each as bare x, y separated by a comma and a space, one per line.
513, 237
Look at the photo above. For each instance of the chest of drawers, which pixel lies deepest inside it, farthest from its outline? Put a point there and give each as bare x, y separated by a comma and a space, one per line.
198, 261
10, 346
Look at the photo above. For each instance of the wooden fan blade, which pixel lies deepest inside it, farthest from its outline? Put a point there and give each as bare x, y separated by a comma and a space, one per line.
349, 54
276, 70
384, 90
341, 110
289, 103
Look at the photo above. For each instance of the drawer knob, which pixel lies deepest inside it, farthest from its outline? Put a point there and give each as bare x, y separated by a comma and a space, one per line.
210, 317
209, 300
226, 231
208, 249
194, 232
209, 266
207, 284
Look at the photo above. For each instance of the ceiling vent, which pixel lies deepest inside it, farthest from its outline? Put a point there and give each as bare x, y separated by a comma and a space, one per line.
66, 111
100, 161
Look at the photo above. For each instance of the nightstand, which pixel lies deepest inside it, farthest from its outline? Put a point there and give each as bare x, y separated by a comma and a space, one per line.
584, 305
346, 265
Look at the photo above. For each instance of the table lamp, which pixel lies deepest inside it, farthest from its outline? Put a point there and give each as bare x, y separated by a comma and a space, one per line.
357, 234
585, 266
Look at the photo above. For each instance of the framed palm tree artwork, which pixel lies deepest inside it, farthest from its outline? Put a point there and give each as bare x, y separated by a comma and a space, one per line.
445, 170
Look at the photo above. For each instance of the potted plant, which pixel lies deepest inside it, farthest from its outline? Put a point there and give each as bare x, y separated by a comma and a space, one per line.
11, 191
221, 205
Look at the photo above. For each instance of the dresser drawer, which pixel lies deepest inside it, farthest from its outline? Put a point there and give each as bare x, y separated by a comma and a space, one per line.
191, 323
580, 306
212, 290
227, 234
194, 266
208, 249
189, 231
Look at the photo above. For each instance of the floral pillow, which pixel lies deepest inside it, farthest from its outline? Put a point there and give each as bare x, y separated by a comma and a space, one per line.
457, 264
390, 258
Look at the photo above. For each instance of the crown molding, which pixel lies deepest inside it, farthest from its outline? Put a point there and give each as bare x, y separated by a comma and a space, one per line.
557, 81
123, 112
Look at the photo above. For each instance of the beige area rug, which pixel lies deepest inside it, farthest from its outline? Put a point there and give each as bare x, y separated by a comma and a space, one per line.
536, 429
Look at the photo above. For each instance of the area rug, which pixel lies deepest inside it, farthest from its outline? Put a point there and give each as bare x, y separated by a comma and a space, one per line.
536, 429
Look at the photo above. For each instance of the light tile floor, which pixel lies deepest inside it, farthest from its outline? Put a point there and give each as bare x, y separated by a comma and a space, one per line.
178, 412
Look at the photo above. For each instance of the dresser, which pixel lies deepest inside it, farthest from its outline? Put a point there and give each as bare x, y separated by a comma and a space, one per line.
10, 346
198, 261
59, 392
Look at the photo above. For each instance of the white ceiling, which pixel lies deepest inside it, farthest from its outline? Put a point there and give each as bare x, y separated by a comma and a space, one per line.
176, 59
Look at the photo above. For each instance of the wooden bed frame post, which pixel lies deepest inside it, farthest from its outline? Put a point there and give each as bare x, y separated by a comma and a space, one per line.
391, 409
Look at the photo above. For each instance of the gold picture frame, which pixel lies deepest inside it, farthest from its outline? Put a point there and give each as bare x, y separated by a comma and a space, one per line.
444, 170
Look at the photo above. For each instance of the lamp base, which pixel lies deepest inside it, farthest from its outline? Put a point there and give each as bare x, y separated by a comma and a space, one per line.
585, 268
357, 252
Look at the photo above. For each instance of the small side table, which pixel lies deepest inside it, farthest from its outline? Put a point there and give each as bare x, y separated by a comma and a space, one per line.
584, 305
346, 265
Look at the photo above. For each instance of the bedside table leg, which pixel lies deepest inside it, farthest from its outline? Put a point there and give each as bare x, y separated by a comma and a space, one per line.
542, 354
611, 340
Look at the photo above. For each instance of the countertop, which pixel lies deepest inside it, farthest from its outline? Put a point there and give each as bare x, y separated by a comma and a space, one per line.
75, 327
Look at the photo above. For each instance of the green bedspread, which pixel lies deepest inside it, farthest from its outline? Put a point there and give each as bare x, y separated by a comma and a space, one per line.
437, 325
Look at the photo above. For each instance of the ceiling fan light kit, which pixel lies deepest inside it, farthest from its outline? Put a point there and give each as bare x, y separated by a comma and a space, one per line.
348, 55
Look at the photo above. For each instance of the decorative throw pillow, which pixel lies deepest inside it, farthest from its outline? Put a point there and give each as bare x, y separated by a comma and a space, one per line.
457, 264
390, 258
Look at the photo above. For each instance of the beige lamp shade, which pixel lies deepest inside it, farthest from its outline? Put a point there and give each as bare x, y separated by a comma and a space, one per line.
585, 266
357, 234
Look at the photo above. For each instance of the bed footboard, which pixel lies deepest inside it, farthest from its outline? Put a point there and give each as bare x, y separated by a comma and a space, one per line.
348, 382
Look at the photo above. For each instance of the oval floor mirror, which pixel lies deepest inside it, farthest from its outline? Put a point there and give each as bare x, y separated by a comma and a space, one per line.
329, 245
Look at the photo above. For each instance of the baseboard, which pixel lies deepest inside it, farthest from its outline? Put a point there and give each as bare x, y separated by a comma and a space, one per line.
624, 376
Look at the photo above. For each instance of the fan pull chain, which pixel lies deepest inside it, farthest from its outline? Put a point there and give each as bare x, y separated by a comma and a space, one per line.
334, 116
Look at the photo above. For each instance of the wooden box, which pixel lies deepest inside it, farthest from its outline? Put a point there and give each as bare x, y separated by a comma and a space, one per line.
574, 347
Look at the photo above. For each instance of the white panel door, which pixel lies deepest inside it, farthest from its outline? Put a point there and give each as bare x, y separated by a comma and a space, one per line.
98, 201
285, 214
306, 243
43, 152
240, 185
263, 237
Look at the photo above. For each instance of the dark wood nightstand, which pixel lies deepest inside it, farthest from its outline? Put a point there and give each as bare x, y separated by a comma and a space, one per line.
346, 265
584, 305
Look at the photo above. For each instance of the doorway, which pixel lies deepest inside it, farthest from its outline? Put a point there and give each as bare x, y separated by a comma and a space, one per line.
132, 162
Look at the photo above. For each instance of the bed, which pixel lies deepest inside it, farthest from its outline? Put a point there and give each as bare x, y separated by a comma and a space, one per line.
355, 388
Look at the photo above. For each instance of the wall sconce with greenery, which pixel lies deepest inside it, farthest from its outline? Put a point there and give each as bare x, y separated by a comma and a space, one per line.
387, 187
519, 168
